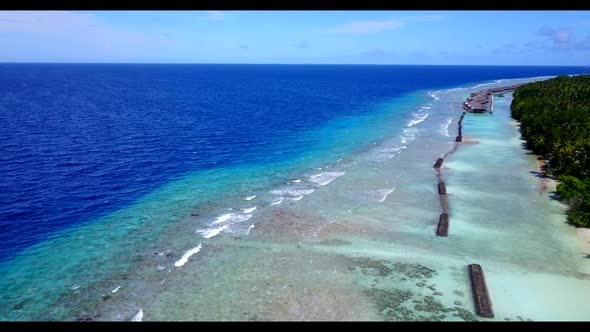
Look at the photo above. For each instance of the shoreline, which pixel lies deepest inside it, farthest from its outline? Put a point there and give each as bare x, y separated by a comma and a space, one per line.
549, 184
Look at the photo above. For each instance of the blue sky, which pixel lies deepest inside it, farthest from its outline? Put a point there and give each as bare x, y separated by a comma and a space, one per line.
338, 37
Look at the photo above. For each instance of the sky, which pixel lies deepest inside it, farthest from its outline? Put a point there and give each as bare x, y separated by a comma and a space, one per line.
295, 37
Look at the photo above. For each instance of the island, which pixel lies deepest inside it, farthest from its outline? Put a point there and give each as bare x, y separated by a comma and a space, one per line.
554, 118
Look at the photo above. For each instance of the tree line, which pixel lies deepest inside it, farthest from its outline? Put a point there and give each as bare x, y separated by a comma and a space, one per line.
554, 119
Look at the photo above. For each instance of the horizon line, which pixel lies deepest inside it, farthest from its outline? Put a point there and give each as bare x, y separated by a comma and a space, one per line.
290, 64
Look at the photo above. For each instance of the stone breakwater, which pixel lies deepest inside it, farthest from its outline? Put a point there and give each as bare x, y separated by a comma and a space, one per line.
482, 301
481, 101
443, 222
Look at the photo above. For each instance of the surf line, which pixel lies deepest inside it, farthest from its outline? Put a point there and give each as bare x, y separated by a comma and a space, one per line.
443, 220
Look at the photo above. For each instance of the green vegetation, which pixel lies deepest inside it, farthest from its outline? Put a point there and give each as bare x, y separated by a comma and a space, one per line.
555, 122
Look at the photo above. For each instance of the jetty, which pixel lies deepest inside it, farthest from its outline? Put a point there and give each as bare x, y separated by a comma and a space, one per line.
482, 101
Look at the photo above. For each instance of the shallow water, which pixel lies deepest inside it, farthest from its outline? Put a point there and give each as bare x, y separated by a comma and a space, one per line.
352, 238
518, 234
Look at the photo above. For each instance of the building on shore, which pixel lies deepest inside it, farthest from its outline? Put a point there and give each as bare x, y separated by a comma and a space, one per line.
481, 101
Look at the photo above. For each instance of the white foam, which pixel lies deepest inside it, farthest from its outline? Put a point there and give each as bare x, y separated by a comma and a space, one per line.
248, 210
445, 127
296, 198
397, 149
455, 89
277, 202
326, 177
433, 95
482, 84
232, 218
249, 198
114, 291
223, 218
185, 258
238, 217
394, 149
418, 119
249, 229
409, 131
138, 316
385, 193
211, 232
242, 217
297, 181
292, 191
408, 136
226, 221
380, 157
303, 192
384, 153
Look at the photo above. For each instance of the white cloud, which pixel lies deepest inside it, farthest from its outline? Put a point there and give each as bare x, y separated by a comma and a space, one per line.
213, 15
69, 35
560, 37
563, 39
364, 27
44, 22
361, 27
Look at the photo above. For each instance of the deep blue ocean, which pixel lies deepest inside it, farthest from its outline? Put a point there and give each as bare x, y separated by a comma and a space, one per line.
80, 141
